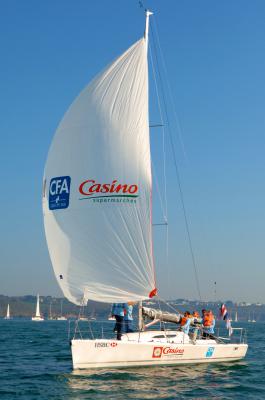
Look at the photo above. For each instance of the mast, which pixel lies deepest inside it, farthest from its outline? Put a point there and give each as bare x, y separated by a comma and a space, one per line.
146, 33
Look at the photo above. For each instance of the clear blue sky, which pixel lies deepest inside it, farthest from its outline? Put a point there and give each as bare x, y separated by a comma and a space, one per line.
215, 56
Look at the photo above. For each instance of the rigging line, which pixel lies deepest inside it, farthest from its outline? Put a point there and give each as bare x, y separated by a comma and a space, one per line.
167, 259
164, 165
76, 322
159, 193
163, 129
180, 133
178, 175
162, 322
170, 306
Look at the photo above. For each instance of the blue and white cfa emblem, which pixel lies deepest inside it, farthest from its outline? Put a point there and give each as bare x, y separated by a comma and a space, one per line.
59, 192
209, 352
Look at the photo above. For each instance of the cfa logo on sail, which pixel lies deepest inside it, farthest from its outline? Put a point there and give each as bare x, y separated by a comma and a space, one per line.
59, 192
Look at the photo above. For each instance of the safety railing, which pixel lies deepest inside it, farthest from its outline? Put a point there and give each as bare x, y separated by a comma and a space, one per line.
103, 329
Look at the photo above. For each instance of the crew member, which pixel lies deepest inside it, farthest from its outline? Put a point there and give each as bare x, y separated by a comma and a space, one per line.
117, 311
195, 326
208, 324
185, 322
128, 317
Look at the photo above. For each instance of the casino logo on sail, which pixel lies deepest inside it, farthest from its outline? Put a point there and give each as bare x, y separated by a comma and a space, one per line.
113, 192
59, 192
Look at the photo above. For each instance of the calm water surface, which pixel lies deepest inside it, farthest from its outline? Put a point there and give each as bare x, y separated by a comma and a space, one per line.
36, 364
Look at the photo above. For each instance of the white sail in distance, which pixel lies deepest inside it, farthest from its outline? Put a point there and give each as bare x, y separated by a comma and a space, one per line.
97, 188
7, 312
38, 307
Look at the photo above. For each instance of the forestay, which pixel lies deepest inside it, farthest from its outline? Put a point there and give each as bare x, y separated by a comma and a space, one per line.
97, 188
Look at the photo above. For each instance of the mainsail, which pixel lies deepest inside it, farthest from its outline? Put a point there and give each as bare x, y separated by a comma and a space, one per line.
158, 315
97, 188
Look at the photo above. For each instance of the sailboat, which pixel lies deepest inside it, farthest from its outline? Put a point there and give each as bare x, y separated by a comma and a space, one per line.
253, 319
82, 318
7, 313
236, 317
37, 316
110, 316
61, 317
97, 207
92, 316
50, 318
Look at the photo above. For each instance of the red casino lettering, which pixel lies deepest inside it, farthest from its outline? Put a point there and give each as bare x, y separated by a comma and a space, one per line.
170, 350
90, 187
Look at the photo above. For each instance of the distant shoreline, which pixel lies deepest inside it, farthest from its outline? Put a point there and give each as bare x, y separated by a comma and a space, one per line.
24, 307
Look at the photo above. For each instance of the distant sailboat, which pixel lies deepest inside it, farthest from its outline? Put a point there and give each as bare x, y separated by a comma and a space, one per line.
82, 317
111, 317
236, 318
92, 316
37, 316
253, 319
7, 313
50, 312
61, 318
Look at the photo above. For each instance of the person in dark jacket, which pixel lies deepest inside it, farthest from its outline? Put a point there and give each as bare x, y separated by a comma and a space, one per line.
118, 312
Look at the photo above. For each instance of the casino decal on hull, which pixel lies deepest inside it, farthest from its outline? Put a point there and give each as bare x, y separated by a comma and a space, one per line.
160, 351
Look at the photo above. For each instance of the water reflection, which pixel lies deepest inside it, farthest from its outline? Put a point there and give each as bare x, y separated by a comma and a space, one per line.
201, 381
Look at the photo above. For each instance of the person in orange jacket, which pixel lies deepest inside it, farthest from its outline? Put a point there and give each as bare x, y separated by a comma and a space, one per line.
185, 322
208, 324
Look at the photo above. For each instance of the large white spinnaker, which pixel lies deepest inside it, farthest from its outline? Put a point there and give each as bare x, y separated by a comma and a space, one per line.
97, 188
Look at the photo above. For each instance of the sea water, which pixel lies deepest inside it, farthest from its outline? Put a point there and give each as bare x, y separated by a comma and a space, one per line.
35, 364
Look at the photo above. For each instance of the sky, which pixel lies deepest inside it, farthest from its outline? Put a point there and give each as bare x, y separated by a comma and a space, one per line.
215, 61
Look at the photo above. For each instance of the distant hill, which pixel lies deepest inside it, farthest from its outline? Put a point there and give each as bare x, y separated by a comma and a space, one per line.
24, 306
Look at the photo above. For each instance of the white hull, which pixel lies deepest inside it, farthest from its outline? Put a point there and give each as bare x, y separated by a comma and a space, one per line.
37, 319
148, 351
